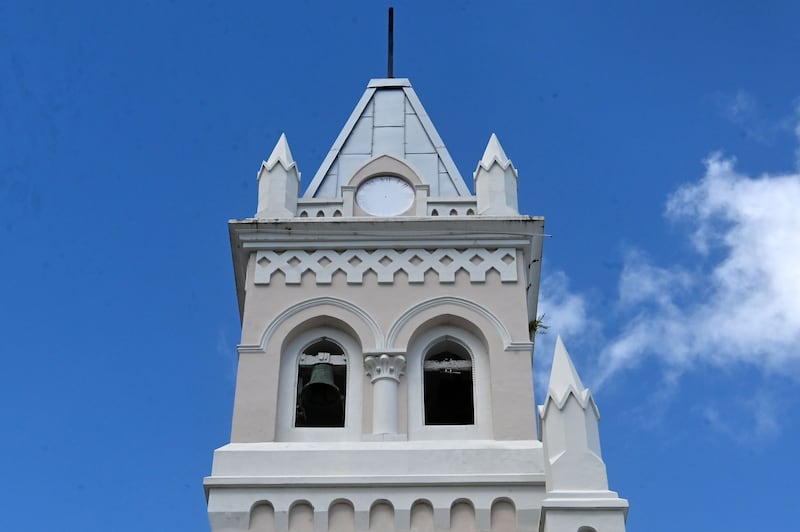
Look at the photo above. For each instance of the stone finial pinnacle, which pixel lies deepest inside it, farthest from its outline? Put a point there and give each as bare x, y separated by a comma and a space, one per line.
278, 183
494, 152
281, 153
563, 374
496, 182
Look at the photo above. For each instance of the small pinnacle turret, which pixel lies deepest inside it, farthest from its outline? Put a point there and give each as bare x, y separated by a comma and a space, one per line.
281, 153
496, 182
278, 183
494, 153
575, 474
569, 430
564, 380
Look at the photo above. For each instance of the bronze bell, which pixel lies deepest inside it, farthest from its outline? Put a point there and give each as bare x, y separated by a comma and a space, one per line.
321, 400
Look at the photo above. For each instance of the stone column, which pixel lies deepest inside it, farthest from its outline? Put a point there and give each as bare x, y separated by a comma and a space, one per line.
385, 371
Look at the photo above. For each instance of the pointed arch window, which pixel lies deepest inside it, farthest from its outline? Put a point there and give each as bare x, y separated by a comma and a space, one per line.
321, 392
448, 384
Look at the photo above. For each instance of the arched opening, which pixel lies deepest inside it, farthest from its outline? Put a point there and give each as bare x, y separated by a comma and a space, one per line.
422, 516
462, 516
381, 516
503, 516
301, 517
321, 385
341, 516
262, 517
342, 334
448, 384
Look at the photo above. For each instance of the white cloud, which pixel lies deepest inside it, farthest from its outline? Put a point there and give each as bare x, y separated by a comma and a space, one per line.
742, 304
737, 306
564, 313
733, 302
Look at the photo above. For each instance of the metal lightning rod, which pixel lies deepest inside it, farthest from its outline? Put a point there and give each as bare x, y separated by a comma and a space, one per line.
391, 44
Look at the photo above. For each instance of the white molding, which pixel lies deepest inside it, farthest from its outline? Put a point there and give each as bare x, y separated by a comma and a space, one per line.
536, 479
296, 309
403, 320
375, 83
384, 163
245, 349
386, 263
263, 241
520, 346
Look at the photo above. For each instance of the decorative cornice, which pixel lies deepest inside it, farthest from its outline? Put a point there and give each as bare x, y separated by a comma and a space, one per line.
583, 501
521, 479
385, 367
520, 346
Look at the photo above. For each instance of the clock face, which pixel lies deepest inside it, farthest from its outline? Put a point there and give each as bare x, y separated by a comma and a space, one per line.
385, 195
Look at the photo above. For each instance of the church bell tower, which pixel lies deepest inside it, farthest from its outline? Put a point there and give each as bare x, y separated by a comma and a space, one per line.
385, 374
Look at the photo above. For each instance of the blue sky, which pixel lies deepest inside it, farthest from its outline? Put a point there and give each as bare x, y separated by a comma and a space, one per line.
661, 141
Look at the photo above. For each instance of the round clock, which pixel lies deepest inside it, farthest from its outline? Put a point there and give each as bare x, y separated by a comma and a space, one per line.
385, 195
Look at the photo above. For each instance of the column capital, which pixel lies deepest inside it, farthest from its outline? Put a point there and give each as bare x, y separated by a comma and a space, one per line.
385, 366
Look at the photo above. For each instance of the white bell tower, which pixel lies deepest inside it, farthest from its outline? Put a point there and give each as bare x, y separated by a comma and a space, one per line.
385, 379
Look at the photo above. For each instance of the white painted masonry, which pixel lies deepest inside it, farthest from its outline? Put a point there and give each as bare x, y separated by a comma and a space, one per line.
425, 314
384, 372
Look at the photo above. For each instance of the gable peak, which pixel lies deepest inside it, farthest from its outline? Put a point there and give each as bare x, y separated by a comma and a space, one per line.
389, 119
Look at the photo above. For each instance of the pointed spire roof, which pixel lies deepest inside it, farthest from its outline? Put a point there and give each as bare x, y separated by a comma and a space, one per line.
388, 120
564, 381
494, 153
563, 373
281, 153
